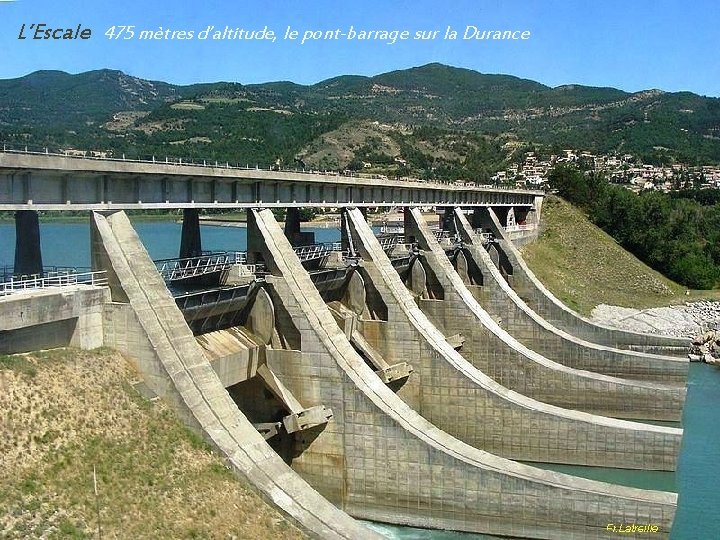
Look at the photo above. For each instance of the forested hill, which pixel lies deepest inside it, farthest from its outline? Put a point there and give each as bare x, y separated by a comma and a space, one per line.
109, 109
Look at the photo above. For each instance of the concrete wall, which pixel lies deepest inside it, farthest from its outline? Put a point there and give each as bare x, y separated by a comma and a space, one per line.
53, 317
545, 304
151, 329
513, 314
380, 460
497, 354
521, 238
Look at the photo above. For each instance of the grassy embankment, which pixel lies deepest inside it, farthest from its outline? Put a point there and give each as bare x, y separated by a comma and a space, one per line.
583, 266
66, 411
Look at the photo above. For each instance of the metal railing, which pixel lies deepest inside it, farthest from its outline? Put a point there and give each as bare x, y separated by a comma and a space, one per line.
175, 269
392, 228
53, 279
387, 243
441, 235
8, 271
485, 237
210, 263
317, 251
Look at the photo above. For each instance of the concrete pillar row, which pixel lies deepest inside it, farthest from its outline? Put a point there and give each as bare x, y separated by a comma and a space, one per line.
410, 335
190, 241
380, 460
545, 304
28, 255
504, 305
496, 353
447, 221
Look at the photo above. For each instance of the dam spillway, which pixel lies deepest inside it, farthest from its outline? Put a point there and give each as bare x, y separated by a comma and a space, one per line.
371, 382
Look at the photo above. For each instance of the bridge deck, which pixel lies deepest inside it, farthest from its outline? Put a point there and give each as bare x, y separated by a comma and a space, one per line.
34, 181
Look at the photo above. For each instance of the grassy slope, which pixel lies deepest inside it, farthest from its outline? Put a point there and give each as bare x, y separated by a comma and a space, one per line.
584, 267
64, 412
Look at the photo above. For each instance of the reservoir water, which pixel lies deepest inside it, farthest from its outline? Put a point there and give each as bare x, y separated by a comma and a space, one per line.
697, 480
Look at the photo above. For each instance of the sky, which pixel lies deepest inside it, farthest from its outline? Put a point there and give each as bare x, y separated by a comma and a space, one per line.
632, 44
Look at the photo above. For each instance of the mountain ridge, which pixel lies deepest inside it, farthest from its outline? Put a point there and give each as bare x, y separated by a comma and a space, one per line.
55, 108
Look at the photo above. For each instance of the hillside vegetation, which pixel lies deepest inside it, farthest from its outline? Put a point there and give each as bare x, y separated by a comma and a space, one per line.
678, 234
107, 110
583, 266
66, 411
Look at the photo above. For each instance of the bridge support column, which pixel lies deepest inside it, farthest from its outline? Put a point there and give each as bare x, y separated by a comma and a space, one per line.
407, 226
481, 218
28, 256
190, 241
447, 220
537, 209
292, 229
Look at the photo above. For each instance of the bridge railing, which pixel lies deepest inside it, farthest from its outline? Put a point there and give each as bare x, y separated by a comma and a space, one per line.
53, 279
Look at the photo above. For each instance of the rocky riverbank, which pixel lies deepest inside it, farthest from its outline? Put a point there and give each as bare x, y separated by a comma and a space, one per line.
685, 320
699, 321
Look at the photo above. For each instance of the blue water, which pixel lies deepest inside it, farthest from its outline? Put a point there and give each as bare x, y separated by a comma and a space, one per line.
698, 514
68, 244
698, 477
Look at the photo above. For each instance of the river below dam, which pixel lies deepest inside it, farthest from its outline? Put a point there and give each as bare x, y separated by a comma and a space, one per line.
697, 480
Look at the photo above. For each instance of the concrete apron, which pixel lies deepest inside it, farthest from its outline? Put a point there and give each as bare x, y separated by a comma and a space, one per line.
500, 356
145, 324
515, 316
381, 460
545, 304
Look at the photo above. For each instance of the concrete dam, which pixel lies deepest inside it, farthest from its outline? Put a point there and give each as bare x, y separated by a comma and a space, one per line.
410, 377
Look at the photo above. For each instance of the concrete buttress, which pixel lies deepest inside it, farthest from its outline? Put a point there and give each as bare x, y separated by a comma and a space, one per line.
378, 459
144, 323
545, 304
516, 317
499, 355
460, 399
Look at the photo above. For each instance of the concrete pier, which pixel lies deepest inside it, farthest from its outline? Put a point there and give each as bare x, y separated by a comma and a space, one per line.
380, 460
293, 233
145, 324
503, 358
504, 305
28, 255
545, 304
190, 241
